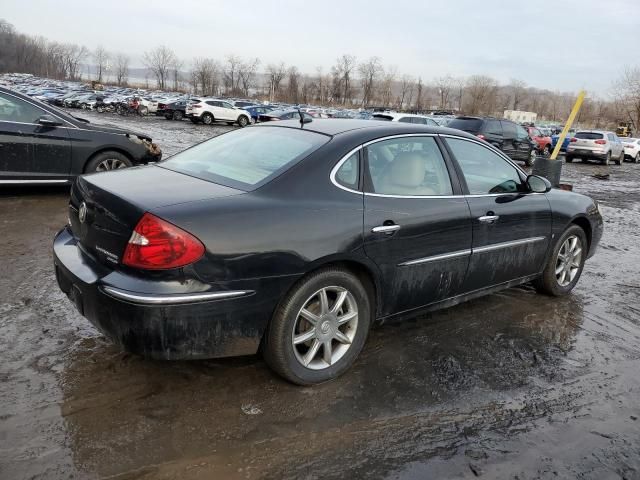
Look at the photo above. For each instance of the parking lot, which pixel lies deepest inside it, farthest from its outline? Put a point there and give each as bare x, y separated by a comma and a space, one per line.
513, 385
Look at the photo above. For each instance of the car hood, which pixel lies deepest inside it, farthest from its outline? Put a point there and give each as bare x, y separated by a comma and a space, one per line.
107, 129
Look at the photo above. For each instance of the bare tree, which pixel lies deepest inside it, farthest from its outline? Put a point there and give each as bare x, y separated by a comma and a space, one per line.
232, 74
175, 73
517, 89
627, 93
276, 73
122, 69
419, 89
159, 61
205, 75
247, 72
444, 85
481, 91
345, 65
406, 90
369, 72
73, 56
388, 78
293, 77
101, 57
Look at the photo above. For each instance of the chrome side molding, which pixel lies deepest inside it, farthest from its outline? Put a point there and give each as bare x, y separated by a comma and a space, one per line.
171, 299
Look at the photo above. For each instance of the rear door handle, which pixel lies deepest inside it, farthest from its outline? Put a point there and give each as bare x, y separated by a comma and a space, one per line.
489, 218
388, 229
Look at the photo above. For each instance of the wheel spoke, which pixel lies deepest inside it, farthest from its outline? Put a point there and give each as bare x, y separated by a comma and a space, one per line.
304, 337
312, 318
342, 319
339, 301
311, 353
324, 301
342, 338
559, 269
577, 252
327, 351
563, 276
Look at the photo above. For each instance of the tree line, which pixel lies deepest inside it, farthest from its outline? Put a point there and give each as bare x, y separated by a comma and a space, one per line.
350, 82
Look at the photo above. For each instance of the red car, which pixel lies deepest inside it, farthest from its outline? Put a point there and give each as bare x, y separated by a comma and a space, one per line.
543, 141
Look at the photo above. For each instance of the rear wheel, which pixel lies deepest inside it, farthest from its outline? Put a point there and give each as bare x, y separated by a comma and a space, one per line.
207, 118
144, 111
319, 328
168, 116
177, 115
105, 161
620, 159
636, 159
546, 151
563, 269
531, 158
568, 158
607, 159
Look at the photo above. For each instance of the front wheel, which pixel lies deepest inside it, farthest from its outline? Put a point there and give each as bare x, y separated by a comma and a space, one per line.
546, 151
106, 161
243, 121
319, 328
564, 267
531, 158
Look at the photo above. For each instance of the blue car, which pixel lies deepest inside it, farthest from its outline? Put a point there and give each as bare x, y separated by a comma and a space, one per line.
257, 110
567, 140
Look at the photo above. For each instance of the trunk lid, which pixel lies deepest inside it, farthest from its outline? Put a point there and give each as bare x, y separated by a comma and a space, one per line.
105, 207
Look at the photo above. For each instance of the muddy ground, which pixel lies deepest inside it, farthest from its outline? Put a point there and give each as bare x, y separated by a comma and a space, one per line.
513, 385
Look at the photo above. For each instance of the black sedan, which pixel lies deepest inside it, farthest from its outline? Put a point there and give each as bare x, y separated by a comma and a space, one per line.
295, 238
40, 144
288, 114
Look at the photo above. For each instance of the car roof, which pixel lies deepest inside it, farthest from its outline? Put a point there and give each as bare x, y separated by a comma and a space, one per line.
337, 126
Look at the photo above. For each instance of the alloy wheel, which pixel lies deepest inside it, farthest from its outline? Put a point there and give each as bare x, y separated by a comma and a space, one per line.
325, 327
569, 260
110, 164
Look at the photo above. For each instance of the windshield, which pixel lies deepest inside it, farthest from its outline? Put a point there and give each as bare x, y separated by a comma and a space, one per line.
472, 125
246, 158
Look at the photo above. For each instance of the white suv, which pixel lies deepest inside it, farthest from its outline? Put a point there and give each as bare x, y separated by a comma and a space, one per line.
209, 110
599, 145
631, 149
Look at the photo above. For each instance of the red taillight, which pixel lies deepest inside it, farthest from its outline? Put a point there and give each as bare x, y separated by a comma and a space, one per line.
601, 142
157, 245
573, 139
480, 136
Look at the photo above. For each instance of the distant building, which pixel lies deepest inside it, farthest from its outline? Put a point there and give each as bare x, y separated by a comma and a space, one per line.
520, 117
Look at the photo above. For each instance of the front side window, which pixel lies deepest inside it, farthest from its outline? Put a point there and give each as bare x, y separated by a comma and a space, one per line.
13, 109
508, 129
485, 171
405, 120
246, 158
226, 105
349, 172
408, 166
521, 133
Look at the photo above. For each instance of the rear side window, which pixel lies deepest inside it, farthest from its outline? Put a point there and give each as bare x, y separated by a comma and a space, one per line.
246, 158
589, 136
406, 120
493, 127
411, 166
471, 125
508, 129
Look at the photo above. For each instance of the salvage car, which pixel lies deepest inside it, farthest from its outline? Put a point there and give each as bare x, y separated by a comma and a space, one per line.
543, 141
506, 135
294, 238
40, 144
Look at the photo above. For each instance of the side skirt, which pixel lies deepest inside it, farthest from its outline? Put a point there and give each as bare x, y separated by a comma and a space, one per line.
450, 302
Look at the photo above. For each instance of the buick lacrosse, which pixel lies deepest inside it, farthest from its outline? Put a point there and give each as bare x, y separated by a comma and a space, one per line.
293, 239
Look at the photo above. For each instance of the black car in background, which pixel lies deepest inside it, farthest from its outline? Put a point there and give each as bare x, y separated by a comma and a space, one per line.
506, 135
295, 237
175, 110
40, 144
288, 114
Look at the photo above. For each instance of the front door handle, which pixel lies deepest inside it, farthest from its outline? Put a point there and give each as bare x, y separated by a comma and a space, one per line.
388, 229
489, 218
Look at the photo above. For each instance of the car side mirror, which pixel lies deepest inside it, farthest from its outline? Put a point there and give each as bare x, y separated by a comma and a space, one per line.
538, 184
48, 121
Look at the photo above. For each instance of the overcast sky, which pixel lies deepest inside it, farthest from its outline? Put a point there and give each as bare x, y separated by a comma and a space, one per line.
560, 45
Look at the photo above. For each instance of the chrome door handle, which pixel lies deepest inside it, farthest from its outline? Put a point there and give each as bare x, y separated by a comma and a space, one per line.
386, 229
489, 218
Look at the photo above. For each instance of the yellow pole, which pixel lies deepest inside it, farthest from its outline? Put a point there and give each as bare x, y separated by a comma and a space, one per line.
567, 126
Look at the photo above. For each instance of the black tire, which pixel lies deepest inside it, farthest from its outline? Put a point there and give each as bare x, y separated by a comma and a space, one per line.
568, 159
194, 120
177, 115
168, 116
243, 121
530, 158
143, 111
207, 118
278, 349
99, 109
607, 159
97, 161
548, 283
546, 151
636, 159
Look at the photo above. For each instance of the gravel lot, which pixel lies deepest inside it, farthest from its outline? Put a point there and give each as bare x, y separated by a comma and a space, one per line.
513, 385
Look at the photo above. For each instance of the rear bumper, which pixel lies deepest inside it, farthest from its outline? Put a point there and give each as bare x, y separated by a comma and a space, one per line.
586, 153
169, 323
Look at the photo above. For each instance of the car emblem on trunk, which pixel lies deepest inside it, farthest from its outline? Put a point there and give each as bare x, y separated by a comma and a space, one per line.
82, 212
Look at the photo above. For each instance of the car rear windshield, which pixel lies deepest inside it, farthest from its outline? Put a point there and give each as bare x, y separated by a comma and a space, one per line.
378, 116
246, 158
472, 125
589, 135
